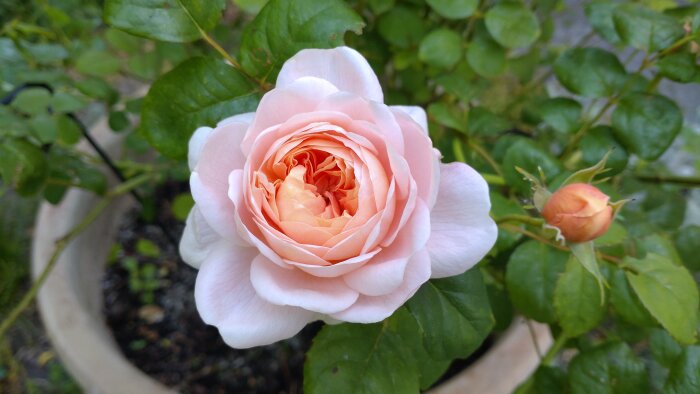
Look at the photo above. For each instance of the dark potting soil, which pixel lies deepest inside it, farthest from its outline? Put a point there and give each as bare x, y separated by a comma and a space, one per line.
164, 335
167, 339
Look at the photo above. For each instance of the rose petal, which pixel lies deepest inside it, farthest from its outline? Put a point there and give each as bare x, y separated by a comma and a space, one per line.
385, 273
226, 299
425, 166
220, 155
280, 104
343, 67
370, 309
196, 144
296, 288
462, 232
416, 113
198, 239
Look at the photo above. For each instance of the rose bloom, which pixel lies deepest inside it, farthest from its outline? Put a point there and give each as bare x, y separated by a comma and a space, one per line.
324, 204
580, 211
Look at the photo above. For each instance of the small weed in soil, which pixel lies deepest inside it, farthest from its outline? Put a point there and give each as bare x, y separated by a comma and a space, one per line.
149, 305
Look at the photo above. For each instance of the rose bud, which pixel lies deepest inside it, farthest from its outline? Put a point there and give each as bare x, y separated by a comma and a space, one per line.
580, 211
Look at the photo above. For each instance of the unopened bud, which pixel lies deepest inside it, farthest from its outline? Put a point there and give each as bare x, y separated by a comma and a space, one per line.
580, 211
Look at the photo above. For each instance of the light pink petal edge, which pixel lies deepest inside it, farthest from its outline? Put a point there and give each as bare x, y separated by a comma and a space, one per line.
344, 67
462, 232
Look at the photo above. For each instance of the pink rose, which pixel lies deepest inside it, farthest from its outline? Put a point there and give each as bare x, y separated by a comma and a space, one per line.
324, 204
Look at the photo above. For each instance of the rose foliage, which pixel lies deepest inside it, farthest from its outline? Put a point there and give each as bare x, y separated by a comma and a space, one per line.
417, 174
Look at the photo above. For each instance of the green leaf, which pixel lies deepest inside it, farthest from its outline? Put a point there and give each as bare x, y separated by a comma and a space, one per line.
562, 114
664, 348
363, 358
44, 127
546, 380
32, 101
590, 72
147, 248
66, 102
600, 16
45, 53
250, 6
684, 375
123, 41
512, 25
97, 63
99, 89
198, 92
626, 302
531, 276
525, 154
453, 9
441, 48
668, 292
647, 124
679, 67
658, 244
688, 244
577, 300
615, 235
462, 82
22, 166
181, 206
145, 66
453, 314
664, 209
646, 29
68, 131
610, 368
484, 122
284, 27
448, 115
118, 121
165, 20
486, 57
402, 26
597, 142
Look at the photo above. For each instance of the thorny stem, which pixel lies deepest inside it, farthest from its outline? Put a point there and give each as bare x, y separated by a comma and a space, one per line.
63, 242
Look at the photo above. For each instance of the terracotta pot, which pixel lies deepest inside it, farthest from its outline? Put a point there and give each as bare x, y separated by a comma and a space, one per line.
70, 303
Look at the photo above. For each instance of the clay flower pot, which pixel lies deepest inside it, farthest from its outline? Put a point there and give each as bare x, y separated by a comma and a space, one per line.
70, 303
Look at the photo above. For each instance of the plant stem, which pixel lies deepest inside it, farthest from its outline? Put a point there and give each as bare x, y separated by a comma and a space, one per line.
63, 242
520, 218
690, 181
485, 155
495, 180
554, 350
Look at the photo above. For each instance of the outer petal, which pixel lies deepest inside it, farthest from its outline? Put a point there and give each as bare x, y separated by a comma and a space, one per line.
385, 273
220, 155
416, 113
297, 288
343, 67
369, 309
198, 239
226, 299
197, 141
462, 232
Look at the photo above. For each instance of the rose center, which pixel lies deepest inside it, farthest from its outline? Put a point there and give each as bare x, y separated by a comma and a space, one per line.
310, 187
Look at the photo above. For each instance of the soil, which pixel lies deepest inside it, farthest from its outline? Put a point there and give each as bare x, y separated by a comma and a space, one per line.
167, 339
